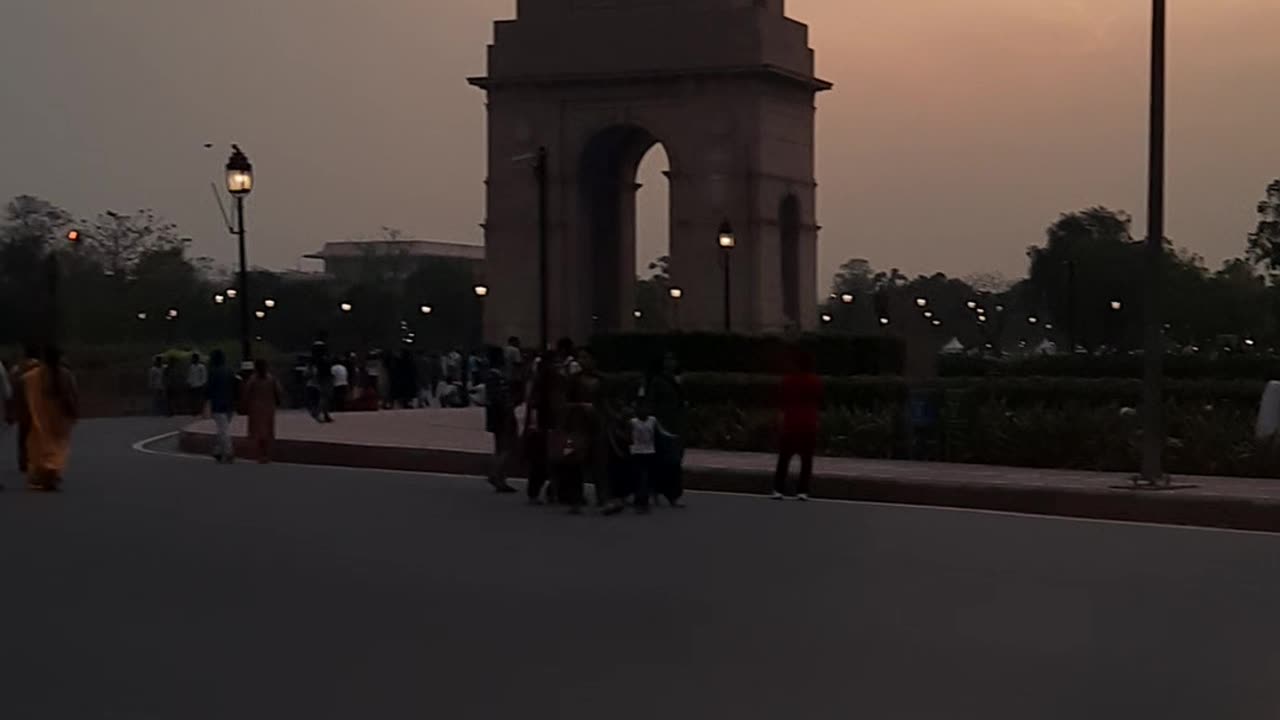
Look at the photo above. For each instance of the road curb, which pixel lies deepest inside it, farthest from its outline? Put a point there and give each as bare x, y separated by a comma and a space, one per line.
1164, 508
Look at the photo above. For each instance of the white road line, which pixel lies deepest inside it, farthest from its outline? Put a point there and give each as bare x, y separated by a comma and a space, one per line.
141, 446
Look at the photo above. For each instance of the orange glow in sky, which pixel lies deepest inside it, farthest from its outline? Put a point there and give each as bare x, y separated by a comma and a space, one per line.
957, 130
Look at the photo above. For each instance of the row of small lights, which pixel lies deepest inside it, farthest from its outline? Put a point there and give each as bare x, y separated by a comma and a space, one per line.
923, 304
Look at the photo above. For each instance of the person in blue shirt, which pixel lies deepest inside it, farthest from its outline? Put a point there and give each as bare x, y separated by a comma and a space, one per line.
220, 394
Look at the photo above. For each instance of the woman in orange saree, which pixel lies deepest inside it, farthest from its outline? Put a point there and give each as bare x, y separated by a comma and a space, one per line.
48, 391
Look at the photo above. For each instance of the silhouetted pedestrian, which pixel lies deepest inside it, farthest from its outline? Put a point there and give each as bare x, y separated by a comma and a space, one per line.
262, 395
663, 393
220, 393
539, 420
500, 421
800, 402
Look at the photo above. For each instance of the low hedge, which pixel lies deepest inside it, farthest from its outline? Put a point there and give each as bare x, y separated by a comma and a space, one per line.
757, 391
1234, 365
1084, 424
833, 354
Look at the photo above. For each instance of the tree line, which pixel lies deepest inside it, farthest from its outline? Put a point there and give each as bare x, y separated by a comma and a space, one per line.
128, 278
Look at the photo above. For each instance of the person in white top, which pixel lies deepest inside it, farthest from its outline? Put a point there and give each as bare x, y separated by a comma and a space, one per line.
341, 385
645, 432
197, 379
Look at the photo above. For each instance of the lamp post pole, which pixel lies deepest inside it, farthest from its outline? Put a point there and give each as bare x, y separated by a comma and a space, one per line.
246, 348
1153, 345
240, 184
727, 243
544, 269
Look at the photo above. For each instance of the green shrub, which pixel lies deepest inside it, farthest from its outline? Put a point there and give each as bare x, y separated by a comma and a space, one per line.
1253, 366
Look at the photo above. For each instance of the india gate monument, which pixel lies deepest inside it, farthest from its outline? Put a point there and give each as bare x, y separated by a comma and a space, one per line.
579, 91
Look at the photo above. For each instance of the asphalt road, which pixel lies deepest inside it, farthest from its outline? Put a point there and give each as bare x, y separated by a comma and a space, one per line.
163, 587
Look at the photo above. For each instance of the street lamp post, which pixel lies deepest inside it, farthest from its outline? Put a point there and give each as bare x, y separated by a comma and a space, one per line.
676, 293
1153, 437
727, 243
482, 292
544, 268
540, 174
240, 184
1071, 305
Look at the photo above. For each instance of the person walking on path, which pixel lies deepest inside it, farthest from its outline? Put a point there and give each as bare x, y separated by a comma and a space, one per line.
500, 421
21, 415
663, 393
586, 398
220, 397
800, 403
341, 385
261, 398
197, 379
155, 383
538, 421
52, 407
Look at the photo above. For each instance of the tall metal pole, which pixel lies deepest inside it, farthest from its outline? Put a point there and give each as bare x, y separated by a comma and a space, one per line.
246, 349
1072, 329
728, 312
544, 267
1153, 346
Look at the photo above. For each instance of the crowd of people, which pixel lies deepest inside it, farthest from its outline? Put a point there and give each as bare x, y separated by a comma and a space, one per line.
551, 411
575, 433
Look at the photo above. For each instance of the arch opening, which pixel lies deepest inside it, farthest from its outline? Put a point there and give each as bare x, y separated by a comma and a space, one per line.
611, 194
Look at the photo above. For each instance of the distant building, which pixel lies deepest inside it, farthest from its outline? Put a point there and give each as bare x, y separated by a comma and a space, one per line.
356, 260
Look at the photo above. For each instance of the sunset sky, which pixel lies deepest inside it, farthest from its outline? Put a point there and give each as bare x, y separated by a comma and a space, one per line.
957, 130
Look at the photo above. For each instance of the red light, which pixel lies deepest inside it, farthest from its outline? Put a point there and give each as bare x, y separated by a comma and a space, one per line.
73, 236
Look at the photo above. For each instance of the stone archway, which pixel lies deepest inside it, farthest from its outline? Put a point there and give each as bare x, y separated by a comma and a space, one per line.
597, 85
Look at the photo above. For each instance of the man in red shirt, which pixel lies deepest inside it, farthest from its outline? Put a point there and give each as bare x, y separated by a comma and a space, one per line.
800, 402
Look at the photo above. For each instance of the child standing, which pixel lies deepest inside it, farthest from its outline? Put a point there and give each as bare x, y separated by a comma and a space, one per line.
644, 455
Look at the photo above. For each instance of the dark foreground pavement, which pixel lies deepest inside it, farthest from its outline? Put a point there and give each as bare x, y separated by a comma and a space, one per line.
162, 587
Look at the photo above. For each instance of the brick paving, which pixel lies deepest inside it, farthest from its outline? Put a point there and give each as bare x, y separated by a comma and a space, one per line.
454, 441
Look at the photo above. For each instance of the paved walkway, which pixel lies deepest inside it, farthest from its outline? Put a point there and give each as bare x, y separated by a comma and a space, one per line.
161, 588
454, 441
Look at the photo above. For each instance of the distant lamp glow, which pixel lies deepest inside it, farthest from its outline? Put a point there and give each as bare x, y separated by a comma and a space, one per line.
345, 307
922, 302
937, 322
172, 314
1117, 306
847, 298
142, 316
676, 293
928, 314
219, 299
727, 239
638, 314
1250, 342
884, 321
972, 305
999, 308
482, 291
260, 314
982, 318
269, 303
826, 318
232, 293
1032, 320
426, 309
73, 236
